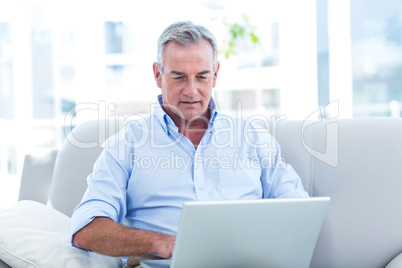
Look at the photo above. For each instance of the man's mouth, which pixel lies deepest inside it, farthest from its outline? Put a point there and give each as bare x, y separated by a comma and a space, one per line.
189, 102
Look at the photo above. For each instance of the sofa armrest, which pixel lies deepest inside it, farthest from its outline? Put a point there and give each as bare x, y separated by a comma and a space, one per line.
37, 175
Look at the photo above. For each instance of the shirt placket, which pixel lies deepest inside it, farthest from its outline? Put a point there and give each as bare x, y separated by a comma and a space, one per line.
199, 179
199, 167
200, 187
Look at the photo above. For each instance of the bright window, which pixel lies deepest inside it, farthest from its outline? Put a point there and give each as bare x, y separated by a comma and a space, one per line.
91, 59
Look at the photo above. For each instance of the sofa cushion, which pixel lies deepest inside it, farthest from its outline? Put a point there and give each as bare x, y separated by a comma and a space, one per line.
37, 175
35, 235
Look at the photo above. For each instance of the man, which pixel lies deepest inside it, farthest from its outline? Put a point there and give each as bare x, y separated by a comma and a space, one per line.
185, 150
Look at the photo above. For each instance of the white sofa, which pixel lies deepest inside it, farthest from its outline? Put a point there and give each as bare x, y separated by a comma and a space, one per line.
356, 162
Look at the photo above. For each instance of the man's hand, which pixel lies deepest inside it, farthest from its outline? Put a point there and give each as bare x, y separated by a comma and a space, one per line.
165, 246
107, 237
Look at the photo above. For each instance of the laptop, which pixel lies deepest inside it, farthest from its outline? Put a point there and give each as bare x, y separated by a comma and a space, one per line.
246, 233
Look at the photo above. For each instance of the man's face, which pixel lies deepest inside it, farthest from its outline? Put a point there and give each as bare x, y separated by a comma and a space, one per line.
187, 80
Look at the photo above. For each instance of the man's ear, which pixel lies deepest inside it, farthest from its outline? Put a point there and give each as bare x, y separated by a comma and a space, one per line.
216, 74
157, 74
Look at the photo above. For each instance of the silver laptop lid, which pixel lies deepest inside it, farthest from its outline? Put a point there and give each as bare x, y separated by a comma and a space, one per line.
249, 233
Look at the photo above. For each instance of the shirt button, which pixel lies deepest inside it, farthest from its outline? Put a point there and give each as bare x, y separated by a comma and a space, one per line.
201, 188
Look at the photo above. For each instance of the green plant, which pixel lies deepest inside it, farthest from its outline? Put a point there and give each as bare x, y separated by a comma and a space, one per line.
238, 31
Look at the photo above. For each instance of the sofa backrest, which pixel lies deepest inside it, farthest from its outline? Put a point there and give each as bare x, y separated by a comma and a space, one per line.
358, 163
75, 161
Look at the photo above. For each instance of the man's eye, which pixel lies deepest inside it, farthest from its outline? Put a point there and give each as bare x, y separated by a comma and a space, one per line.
202, 77
178, 78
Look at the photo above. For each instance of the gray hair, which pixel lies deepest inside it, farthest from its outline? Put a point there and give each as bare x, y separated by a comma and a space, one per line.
185, 33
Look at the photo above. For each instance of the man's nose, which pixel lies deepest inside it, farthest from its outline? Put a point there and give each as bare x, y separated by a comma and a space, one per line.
190, 88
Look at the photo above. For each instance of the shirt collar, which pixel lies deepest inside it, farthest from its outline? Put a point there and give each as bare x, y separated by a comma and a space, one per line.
168, 123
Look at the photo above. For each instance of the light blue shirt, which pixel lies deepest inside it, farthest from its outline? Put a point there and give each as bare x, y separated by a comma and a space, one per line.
149, 169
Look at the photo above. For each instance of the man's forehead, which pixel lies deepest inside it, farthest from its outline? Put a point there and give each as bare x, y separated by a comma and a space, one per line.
195, 58
186, 67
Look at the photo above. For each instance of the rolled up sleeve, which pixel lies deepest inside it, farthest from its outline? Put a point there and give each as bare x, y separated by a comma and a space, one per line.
105, 195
